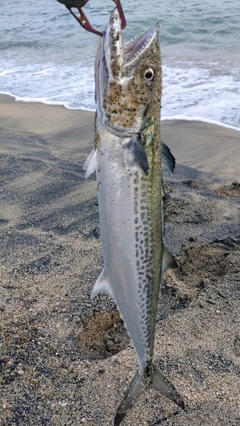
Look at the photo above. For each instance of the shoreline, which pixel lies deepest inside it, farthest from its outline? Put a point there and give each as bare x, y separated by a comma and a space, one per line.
170, 118
202, 146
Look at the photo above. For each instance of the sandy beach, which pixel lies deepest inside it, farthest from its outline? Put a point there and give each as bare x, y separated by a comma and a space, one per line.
66, 359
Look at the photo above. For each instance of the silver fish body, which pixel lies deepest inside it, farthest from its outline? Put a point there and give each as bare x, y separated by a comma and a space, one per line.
127, 160
128, 245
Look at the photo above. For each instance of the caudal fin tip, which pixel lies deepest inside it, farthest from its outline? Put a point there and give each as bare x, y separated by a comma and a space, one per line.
177, 398
118, 418
134, 391
161, 384
181, 404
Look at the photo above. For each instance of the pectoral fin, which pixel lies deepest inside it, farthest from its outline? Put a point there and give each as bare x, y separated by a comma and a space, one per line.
135, 156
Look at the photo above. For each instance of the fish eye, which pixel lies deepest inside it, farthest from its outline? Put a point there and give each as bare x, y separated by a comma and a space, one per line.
149, 74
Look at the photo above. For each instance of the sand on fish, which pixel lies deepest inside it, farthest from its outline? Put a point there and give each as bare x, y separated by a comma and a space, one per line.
67, 360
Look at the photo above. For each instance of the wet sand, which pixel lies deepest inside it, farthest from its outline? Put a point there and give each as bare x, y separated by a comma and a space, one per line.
67, 360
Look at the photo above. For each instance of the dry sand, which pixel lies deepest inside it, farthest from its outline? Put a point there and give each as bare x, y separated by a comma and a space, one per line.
66, 360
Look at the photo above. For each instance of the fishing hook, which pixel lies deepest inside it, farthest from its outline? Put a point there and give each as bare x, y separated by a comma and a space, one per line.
82, 19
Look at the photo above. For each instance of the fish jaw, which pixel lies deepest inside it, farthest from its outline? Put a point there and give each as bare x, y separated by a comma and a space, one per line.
125, 77
113, 47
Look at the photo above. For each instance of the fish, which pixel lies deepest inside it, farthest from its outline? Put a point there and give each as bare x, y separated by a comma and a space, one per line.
127, 158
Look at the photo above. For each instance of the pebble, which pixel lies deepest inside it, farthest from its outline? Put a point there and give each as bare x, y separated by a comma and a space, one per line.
110, 345
63, 404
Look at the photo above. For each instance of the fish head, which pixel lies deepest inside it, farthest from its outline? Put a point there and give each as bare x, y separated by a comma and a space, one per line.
127, 77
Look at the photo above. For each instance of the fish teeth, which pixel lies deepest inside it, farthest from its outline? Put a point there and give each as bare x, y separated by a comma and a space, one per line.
131, 57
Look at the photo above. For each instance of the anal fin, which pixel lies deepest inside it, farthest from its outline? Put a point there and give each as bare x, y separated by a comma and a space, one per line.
102, 284
90, 164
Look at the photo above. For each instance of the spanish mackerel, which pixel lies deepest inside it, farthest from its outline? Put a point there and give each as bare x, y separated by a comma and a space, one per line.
127, 160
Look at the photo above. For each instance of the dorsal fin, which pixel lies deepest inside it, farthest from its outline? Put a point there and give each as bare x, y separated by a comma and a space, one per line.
167, 157
168, 261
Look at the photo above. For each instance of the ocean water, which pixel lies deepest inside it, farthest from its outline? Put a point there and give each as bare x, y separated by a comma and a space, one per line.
46, 56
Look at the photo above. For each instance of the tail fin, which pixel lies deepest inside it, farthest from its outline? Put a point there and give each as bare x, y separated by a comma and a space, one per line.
161, 384
156, 381
134, 391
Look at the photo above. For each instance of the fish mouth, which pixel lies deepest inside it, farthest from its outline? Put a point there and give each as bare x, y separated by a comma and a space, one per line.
114, 60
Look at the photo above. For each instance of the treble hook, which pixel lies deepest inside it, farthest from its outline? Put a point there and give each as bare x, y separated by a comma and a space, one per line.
82, 19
